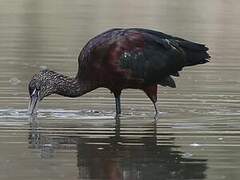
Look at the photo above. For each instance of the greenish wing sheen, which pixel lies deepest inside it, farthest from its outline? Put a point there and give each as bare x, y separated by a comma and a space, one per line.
155, 63
134, 61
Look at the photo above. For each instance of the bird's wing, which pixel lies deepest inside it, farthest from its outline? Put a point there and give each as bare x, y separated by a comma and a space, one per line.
139, 54
195, 53
148, 57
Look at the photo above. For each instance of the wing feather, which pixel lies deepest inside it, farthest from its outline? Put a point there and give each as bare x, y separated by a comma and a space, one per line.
139, 54
155, 61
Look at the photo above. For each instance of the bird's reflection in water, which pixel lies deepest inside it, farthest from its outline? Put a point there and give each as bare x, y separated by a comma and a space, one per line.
120, 157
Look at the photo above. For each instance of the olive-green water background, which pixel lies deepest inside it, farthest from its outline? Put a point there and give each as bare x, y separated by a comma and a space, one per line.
197, 135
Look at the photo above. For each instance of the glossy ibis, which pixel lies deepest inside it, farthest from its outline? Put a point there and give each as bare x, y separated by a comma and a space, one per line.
119, 59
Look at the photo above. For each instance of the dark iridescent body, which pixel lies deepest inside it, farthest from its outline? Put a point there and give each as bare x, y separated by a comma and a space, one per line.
120, 59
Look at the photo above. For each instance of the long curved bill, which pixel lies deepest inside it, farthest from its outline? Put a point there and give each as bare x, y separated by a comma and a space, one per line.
34, 101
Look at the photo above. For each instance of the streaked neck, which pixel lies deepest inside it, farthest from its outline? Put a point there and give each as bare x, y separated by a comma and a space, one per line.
73, 87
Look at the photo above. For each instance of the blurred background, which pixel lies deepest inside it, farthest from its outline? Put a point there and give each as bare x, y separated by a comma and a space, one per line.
197, 136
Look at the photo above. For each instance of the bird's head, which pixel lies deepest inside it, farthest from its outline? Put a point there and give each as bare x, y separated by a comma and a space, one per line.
40, 86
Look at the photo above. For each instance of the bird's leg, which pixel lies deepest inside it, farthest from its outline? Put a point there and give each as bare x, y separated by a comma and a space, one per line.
151, 92
118, 103
156, 111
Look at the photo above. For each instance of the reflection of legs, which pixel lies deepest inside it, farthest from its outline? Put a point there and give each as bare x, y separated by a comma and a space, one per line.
117, 129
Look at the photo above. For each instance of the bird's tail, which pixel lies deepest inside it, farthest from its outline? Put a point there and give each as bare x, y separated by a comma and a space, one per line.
195, 53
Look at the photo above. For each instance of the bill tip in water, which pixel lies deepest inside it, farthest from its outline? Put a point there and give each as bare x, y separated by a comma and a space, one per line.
33, 103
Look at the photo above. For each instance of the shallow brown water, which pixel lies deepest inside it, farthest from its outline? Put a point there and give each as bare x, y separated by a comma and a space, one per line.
197, 135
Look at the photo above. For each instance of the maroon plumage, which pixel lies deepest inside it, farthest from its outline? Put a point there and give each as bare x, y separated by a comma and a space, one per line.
131, 58
137, 58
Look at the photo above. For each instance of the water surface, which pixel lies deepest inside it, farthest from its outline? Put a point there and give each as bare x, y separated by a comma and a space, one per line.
197, 135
